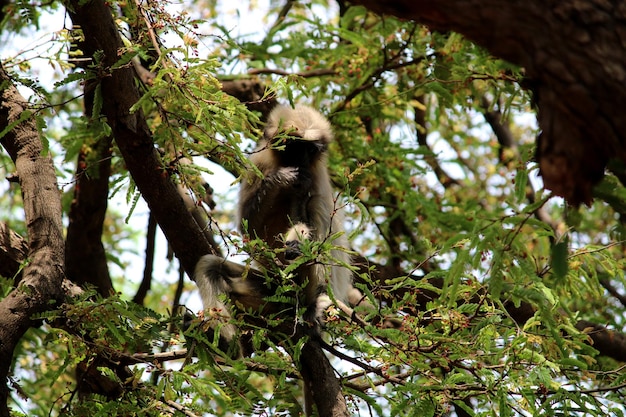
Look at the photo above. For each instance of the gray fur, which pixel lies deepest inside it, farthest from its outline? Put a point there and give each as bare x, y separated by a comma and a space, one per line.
292, 200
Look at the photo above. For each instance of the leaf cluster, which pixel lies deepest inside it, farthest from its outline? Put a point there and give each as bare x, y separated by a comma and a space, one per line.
486, 276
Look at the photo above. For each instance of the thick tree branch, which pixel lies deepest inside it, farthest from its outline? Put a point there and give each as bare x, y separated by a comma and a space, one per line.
43, 276
251, 92
320, 381
608, 342
573, 55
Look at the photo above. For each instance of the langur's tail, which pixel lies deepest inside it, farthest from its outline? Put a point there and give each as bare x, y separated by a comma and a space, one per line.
212, 279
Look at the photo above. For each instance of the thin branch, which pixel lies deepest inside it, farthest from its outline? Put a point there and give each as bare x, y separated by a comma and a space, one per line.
144, 287
180, 408
507, 142
280, 17
601, 389
363, 365
151, 358
606, 283
304, 74
419, 112
368, 385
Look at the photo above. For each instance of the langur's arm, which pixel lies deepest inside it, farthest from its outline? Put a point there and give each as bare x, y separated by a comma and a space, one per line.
257, 198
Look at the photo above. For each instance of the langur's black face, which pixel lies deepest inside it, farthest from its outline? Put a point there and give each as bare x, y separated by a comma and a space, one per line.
298, 152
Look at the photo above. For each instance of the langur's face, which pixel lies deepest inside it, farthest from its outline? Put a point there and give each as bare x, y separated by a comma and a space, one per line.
297, 137
294, 151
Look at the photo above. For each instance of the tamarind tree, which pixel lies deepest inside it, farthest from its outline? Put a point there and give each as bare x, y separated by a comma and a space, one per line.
468, 133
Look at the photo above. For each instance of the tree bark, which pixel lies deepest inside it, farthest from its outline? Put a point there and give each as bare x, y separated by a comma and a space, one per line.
320, 383
43, 276
85, 257
573, 52
13, 250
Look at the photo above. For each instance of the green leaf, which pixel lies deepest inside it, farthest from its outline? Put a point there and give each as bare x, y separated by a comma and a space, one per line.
559, 259
521, 182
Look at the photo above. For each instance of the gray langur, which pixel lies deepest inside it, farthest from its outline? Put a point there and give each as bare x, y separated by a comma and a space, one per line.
294, 199
292, 202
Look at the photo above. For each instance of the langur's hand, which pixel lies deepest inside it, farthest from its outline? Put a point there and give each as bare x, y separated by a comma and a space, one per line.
287, 175
292, 250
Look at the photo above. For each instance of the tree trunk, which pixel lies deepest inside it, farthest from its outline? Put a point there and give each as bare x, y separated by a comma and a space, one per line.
43, 276
320, 383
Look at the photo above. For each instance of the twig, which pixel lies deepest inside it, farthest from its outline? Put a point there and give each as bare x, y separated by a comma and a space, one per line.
360, 364
179, 408
303, 74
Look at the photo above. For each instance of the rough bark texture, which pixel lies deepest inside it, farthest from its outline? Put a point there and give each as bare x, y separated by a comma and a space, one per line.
573, 54
85, 257
13, 250
320, 382
43, 276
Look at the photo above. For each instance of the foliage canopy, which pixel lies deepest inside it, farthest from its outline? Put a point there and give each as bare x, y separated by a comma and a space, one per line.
503, 291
